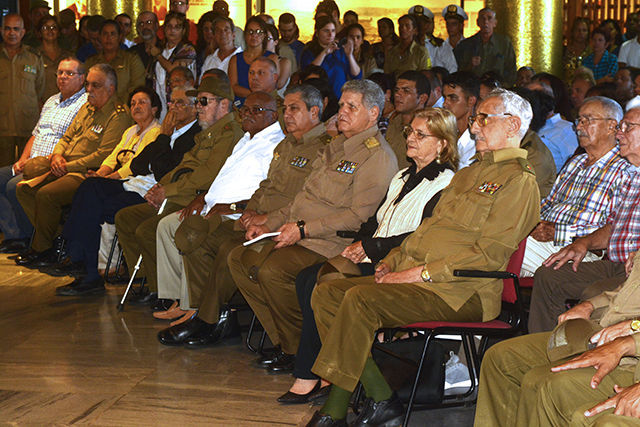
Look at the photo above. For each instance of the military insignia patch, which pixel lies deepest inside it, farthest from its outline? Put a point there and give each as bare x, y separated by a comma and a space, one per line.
452, 8
346, 166
276, 156
97, 128
489, 187
299, 161
371, 142
30, 69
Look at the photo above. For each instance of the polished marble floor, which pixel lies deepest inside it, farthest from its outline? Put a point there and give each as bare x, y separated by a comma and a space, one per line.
67, 361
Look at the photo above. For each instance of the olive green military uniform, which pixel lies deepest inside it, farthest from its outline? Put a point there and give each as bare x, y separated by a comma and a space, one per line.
416, 58
51, 73
348, 180
136, 225
518, 388
129, 70
397, 141
486, 210
89, 139
21, 87
541, 161
497, 55
207, 274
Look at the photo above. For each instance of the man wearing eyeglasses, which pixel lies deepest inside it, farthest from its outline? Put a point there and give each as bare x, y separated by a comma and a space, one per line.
587, 189
136, 225
57, 114
564, 276
410, 94
52, 181
22, 84
147, 26
182, 6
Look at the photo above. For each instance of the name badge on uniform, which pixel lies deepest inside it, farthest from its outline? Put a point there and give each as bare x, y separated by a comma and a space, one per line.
299, 161
30, 69
97, 129
346, 166
489, 187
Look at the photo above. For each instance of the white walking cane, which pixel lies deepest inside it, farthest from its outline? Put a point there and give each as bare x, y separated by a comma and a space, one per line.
136, 268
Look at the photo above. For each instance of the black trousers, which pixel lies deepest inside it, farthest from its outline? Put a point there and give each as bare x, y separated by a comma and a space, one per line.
96, 201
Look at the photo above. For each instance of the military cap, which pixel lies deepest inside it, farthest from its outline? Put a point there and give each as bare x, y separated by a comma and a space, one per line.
454, 11
36, 167
571, 338
420, 10
37, 4
191, 232
215, 86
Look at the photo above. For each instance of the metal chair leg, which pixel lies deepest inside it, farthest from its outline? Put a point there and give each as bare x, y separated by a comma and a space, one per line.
414, 389
112, 249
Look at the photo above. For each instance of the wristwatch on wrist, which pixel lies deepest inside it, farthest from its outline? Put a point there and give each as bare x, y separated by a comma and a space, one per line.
233, 207
300, 225
635, 325
424, 274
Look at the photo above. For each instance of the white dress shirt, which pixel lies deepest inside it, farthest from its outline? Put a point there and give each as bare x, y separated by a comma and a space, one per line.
630, 53
466, 149
214, 61
244, 169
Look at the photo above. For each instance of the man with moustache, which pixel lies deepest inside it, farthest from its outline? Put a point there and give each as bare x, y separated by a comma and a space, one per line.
147, 25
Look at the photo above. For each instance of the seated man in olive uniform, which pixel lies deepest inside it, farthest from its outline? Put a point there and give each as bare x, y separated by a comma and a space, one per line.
529, 380
136, 225
471, 228
347, 182
93, 134
205, 275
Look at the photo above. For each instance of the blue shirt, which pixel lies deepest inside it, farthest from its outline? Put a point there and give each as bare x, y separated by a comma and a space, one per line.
560, 138
608, 65
337, 67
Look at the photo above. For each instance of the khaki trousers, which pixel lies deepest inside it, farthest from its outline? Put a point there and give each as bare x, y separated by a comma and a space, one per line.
349, 311
208, 279
171, 279
552, 287
43, 205
136, 226
273, 296
517, 387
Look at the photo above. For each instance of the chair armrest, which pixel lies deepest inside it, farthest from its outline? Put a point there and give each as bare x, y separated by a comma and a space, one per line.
484, 274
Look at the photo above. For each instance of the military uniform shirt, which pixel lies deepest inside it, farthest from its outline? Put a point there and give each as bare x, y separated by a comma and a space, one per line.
129, 70
397, 141
92, 135
349, 179
397, 62
21, 87
497, 55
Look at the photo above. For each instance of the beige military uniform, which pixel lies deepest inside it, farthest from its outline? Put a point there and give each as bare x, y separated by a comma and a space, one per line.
397, 141
21, 87
208, 278
541, 161
348, 180
136, 225
415, 58
518, 388
486, 210
129, 70
89, 139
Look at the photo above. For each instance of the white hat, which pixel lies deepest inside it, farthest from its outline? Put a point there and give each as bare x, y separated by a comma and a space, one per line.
452, 10
420, 10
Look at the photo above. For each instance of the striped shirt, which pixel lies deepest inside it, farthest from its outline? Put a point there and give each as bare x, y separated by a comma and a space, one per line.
583, 197
55, 118
625, 221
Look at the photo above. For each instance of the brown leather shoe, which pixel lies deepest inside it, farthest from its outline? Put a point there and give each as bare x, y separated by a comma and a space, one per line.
188, 315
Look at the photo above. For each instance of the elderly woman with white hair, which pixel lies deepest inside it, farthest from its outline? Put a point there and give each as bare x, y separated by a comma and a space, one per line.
484, 213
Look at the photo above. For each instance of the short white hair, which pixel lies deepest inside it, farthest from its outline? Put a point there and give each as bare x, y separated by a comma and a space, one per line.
611, 108
515, 105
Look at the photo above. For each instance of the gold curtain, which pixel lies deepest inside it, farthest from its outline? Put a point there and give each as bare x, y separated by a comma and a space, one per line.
110, 8
535, 28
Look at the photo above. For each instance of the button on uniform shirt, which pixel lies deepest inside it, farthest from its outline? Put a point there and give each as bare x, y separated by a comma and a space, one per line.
349, 179
55, 118
625, 220
22, 83
630, 53
560, 137
245, 168
583, 197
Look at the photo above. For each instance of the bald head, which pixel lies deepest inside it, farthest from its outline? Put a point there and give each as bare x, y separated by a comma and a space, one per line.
12, 30
258, 112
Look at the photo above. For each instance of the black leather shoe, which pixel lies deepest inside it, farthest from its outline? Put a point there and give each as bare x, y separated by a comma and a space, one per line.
317, 392
146, 298
386, 413
162, 304
65, 268
268, 356
79, 288
178, 334
284, 364
322, 420
227, 329
34, 259
13, 246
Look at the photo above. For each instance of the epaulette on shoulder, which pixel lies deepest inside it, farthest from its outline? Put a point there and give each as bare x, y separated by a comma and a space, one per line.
326, 138
371, 143
121, 109
524, 163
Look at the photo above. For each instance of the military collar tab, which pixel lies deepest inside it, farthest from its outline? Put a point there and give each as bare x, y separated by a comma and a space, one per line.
355, 141
315, 132
508, 154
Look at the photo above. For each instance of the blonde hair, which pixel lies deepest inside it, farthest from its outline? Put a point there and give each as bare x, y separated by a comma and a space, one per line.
442, 124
